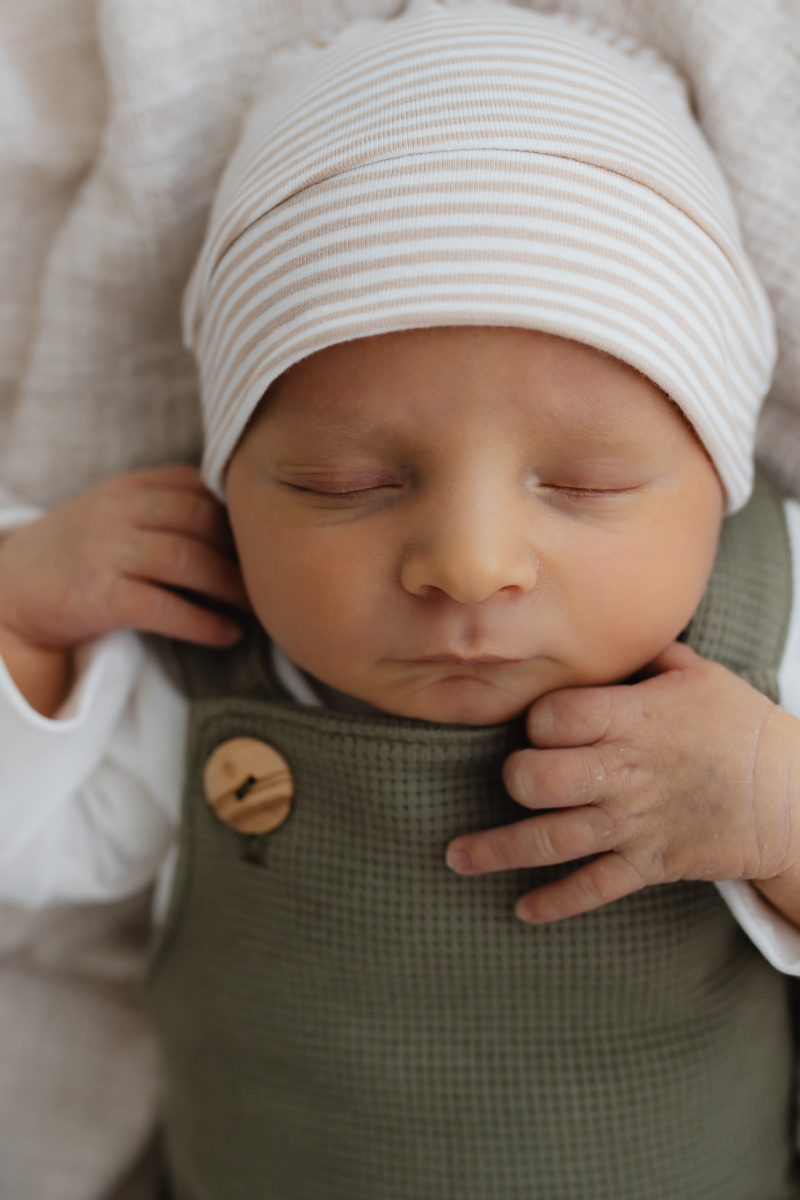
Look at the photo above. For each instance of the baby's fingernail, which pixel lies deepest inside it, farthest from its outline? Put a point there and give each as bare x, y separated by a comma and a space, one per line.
526, 912
459, 860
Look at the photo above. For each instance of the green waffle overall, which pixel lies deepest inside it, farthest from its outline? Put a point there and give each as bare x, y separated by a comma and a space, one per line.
343, 1018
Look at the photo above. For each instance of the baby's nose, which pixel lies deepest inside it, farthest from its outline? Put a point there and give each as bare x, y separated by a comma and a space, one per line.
470, 561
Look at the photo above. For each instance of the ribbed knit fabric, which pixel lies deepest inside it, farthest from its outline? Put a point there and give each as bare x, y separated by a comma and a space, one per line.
345, 1019
482, 165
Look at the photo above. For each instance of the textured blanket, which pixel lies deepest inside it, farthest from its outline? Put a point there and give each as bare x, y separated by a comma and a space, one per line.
116, 118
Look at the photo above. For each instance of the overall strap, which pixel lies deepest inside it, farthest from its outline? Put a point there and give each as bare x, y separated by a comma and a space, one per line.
743, 619
246, 670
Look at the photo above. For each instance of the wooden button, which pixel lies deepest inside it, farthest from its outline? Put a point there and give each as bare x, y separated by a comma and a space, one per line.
249, 785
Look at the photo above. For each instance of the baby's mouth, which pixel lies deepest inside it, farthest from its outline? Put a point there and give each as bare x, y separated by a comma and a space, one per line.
482, 660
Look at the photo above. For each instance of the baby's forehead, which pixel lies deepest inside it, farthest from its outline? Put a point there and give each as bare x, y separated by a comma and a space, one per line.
415, 384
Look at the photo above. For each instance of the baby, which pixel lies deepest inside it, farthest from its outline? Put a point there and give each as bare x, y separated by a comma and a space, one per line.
481, 358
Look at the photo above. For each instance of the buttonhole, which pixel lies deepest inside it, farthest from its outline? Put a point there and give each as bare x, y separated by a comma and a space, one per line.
254, 849
245, 787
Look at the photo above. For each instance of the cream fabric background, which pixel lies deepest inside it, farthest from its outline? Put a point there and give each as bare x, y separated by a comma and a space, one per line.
116, 117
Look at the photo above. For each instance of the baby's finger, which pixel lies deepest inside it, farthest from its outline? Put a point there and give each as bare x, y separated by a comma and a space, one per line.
599, 882
152, 609
184, 562
538, 842
559, 778
577, 716
171, 475
193, 512
677, 657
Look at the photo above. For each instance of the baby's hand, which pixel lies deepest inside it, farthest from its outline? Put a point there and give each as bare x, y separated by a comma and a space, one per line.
107, 559
691, 774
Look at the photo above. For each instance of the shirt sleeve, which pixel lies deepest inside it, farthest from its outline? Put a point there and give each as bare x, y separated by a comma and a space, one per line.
775, 936
89, 799
14, 515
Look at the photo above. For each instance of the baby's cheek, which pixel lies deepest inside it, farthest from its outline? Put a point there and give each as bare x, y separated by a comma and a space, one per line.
314, 622
623, 623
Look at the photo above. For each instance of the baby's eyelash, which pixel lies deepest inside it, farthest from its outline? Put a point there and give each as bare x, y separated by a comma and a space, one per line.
362, 494
586, 493
333, 494
590, 493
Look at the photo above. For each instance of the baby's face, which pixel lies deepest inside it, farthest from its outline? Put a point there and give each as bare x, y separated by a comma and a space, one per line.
448, 523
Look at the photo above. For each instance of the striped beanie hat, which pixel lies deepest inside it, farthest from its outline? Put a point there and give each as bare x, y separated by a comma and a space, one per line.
472, 163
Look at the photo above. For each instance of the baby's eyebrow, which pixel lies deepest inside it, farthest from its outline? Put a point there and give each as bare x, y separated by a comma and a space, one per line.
362, 429
608, 446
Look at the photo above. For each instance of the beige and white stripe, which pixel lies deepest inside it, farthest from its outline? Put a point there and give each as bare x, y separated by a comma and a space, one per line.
481, 165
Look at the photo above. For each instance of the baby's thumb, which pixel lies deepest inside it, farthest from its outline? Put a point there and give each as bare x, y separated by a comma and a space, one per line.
676, 657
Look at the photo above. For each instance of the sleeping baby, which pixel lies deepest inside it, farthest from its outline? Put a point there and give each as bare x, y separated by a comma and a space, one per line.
458, 757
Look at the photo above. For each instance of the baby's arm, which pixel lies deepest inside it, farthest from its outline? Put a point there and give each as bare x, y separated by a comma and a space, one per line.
101, 562
691, 774
89, 801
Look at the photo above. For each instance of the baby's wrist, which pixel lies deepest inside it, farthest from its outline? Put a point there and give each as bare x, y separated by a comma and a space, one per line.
43, 674
779, 782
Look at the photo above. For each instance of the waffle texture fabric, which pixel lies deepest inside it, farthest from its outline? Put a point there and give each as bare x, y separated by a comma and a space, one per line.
482, 165
344, 1017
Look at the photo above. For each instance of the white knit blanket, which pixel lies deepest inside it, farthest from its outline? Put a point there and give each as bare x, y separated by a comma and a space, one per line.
116, 118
